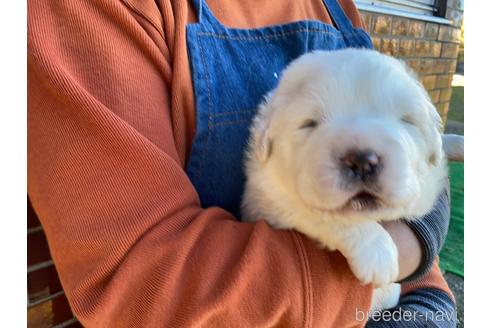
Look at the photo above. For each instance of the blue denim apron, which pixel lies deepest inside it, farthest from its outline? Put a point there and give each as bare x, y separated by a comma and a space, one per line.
232, 69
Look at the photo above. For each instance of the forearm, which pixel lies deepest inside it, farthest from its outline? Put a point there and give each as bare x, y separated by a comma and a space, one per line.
431, 231
419, 241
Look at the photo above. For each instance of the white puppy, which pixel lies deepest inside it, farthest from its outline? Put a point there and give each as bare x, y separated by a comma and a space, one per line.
348, 138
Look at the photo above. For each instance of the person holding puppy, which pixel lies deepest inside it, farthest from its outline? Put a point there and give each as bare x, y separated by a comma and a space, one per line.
138, 114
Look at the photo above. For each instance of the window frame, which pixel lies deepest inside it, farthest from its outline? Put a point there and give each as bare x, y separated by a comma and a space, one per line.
390, 7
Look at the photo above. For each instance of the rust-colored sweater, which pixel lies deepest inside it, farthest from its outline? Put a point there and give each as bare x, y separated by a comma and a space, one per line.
110, 123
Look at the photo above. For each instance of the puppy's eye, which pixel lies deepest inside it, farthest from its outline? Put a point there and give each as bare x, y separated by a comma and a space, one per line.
309, 124
409, 120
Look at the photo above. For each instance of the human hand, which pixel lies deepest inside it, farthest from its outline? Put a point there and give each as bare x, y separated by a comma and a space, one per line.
408, 245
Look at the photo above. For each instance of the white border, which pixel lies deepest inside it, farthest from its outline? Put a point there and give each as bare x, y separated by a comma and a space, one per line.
478, 173
13, 136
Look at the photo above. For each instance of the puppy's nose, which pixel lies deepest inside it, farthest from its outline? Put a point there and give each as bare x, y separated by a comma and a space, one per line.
361, 164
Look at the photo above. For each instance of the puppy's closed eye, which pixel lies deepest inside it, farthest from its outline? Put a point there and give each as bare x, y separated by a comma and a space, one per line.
408, 120
309, 124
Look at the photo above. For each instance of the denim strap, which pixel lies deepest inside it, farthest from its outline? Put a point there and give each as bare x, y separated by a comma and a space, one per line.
340, 20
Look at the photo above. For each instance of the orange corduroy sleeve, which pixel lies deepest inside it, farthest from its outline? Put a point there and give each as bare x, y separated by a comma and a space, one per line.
433, 279
131, 243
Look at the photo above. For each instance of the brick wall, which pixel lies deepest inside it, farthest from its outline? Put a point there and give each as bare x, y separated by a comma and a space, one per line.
47, 305
431, 49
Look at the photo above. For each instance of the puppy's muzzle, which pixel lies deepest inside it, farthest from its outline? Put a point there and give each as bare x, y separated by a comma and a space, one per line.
361, 165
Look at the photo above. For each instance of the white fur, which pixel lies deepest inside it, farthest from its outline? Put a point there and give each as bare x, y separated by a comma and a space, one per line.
360, 100
385, 297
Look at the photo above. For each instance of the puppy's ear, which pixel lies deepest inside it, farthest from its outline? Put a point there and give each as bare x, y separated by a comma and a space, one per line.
434, 132
433, 127
293, 79
262, 142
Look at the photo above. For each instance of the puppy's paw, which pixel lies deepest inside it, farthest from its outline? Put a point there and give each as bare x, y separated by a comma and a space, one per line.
375, 260
385, 297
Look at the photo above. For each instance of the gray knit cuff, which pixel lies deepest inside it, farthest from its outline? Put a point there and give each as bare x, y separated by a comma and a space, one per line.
426, 307
431, 230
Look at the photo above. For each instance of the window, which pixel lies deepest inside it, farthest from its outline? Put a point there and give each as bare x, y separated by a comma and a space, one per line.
433, 10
